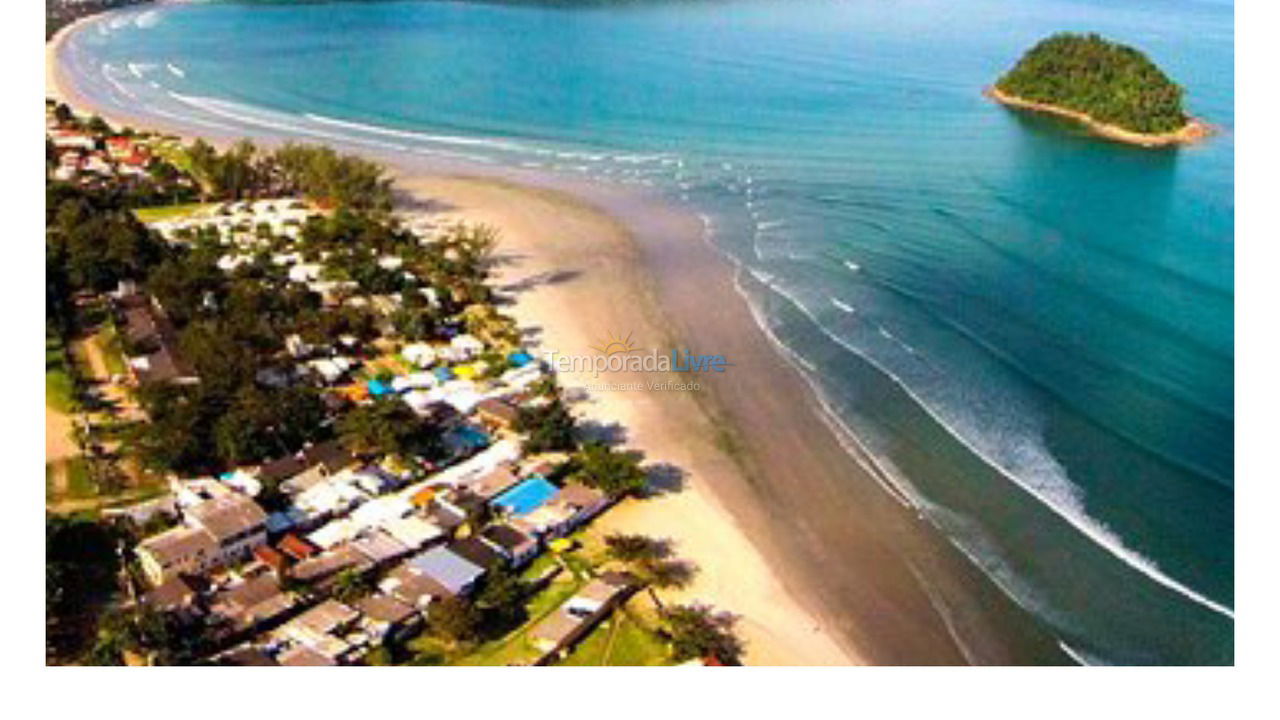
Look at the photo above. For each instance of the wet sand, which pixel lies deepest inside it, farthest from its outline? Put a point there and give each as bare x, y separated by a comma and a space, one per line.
788, 529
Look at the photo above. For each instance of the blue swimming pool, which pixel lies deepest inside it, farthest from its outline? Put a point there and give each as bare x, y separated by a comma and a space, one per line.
531, 494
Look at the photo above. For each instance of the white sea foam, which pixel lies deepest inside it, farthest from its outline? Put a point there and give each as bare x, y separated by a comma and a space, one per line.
245, 114
147, 20
853, 266
107, 71
845, 436
843, 306
188, 118
1080, 656
177, 71
1041, 477
425, 137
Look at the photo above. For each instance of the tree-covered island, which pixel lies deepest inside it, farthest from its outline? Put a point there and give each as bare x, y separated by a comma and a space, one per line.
1114, 89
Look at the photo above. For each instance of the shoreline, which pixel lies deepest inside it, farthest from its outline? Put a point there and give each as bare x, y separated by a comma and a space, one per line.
1194, 131
789, 530
732, 574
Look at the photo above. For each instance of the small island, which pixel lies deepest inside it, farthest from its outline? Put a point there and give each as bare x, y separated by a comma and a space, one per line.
1113, 89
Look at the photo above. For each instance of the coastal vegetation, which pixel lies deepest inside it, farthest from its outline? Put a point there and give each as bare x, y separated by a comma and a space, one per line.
1109, 82
242, 299
316, 172
60, 13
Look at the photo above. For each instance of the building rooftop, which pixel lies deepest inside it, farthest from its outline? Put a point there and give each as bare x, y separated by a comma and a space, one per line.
477, 552
384, 608
453, 572
227, 516
179, 542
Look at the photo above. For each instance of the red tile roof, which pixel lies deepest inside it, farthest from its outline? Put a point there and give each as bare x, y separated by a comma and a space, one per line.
270, 557
295, 547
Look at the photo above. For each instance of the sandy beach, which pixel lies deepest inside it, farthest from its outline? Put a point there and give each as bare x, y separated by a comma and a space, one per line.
1194, 131
543, 234
788, 530
576, 278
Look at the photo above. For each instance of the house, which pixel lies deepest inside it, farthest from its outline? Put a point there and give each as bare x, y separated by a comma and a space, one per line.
334, 533
325, 630
387, 619
420, 354
466, 347
296, 548
270, 557
411, 587
279, 471
323, 568
572, 506
332, 456
380, 548
492, 483
66, 139
245, 656
182, 550
497, 414
236, 524
414, 532
557, 634
455, 574
150, 335
303, 656
517, 547
253, 603
476, 551
119, 147
176, 596
446, 516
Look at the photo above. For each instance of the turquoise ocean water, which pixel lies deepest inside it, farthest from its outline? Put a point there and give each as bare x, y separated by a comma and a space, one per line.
1031, 330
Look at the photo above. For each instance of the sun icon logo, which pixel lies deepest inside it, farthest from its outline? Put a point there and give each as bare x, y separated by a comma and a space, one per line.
615, 345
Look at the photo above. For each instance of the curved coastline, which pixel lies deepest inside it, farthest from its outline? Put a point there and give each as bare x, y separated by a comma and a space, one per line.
770, 458
1194, 131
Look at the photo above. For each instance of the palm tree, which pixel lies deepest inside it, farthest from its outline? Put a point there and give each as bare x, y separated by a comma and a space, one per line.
649, 559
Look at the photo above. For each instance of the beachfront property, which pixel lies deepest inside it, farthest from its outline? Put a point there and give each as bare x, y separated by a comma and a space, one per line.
556, 634
320, 553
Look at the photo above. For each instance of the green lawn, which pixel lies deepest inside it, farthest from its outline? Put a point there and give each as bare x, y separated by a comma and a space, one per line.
108, 341
623, 639
79, 485
514, 647
169, 212
59, 387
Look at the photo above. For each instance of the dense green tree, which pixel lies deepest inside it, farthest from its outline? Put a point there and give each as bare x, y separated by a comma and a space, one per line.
158, 638
454, 620
501, 601
615, 472
1110, 82
387, 426
81, 563
697, 631
351, 585
547, 426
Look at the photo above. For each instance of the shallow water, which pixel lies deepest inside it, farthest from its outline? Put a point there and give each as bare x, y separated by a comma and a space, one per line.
1030, 330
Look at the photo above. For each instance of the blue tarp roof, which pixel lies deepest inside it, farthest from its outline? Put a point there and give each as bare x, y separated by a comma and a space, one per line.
443, 373
520, 359
377, 388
